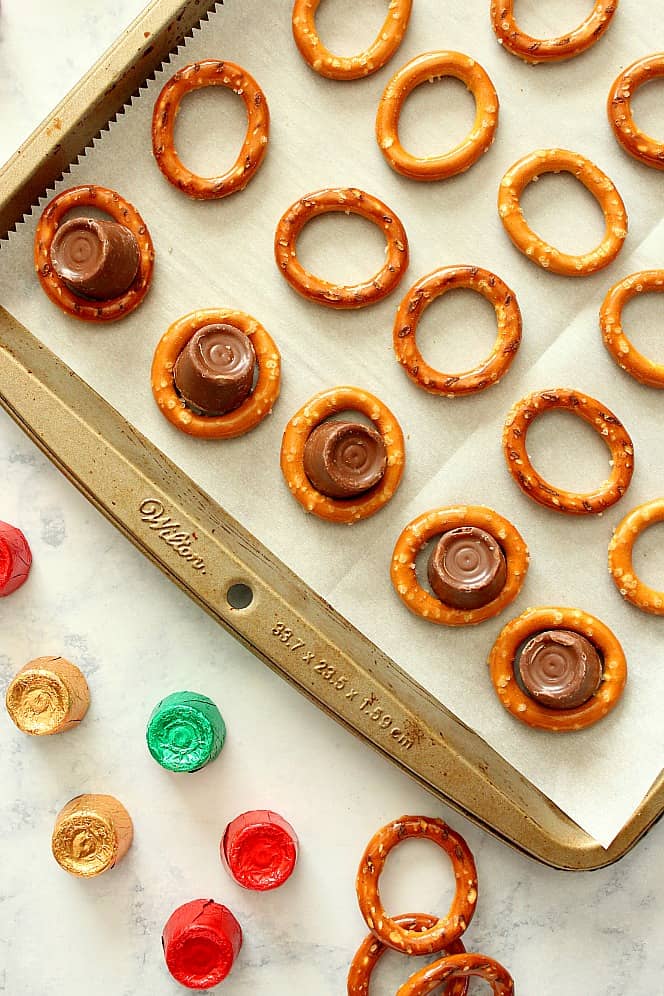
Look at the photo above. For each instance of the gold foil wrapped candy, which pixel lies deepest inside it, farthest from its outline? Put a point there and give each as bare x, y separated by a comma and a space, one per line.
48, 695
92, 833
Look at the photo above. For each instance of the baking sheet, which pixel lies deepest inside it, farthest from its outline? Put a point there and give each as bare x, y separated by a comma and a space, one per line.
221, 254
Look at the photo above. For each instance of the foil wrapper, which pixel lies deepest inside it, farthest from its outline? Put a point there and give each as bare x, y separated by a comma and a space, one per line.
48, 695
185, 731
92, 833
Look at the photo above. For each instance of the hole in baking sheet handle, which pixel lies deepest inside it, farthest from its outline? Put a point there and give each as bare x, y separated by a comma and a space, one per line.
239, 595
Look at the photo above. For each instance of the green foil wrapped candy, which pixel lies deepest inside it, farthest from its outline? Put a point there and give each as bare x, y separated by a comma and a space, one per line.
185, 731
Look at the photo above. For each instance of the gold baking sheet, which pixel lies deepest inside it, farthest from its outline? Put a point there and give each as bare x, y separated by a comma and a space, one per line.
420, 751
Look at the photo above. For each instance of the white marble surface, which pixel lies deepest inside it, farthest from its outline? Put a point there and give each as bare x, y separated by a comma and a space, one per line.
94, 599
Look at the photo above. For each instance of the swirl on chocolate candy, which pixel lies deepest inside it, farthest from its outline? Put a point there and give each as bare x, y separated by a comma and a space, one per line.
84, 844
38, 703
98, 259
185, 732
467, 568
560, 669
214, 373
344, 459
260, 852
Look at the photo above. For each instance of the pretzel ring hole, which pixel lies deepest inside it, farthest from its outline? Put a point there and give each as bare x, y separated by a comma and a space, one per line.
567, 451
563, 213
343, 247
436, 116
92, 201
209, 129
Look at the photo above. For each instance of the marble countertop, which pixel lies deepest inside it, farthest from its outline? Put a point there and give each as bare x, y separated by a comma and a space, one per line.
93, 598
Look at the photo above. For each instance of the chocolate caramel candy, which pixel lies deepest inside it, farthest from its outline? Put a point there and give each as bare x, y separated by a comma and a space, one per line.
560, 669
92, 833
48, 695
344, 459
98, 259
201, 941
214, 373
467, 568
259, 850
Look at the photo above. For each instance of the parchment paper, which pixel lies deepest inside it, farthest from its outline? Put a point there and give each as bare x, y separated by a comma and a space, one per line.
221, 254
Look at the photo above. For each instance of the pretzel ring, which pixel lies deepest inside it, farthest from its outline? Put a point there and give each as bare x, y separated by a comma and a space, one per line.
620, 557
535, 50
605, 424
504, 653
634, 141
210, 72
234, 423
120, 211
422, 294
531, 245
427, 67
610, 319
348, 200
371, 951
445, 930
459, 966
338, 67
418, 533
300, 427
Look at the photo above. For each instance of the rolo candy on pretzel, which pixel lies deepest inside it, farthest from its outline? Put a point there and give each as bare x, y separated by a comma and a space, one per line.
486, 561
124, 214
557, 671
307, 421
223, 356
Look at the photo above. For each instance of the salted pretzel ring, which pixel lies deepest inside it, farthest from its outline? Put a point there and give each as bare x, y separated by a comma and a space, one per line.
300, 427
459, 966
620, 557
535, 50
338, 67
422, 294
210, 72
440, 520
234, 423
505, 650
347, 200
423, 68
120, 211
605, 424
610, 319
531, 167
637, 143
372, 950
446, 929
